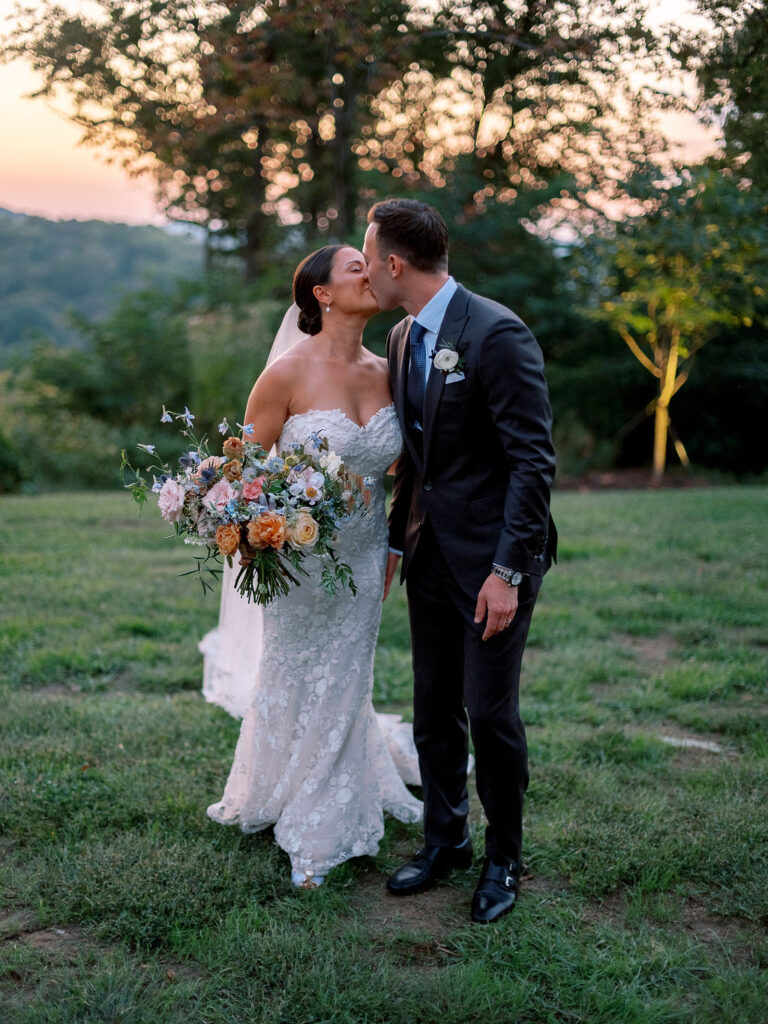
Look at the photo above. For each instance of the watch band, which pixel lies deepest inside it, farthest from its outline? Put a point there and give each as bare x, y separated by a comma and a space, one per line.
510, 576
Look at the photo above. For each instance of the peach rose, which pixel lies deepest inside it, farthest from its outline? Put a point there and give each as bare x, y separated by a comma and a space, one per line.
233, 470
228, 538
267, 530
304, 532
253, 488
233, 447
170, 501
211, 462
218, 496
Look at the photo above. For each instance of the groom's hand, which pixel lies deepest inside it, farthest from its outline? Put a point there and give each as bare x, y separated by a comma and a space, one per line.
499, 601
392, 563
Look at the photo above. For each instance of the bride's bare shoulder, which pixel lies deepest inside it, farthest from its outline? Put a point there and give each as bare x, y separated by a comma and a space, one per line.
288, 365
377, 364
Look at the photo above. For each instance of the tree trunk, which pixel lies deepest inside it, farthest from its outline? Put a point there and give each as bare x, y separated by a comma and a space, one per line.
256, 222
661, 420
343, 163
660, 430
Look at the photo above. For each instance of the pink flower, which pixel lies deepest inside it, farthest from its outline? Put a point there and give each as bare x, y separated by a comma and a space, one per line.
170, 500
253, 488
218, 496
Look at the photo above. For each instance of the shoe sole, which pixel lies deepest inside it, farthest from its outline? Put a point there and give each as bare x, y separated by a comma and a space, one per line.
493, 920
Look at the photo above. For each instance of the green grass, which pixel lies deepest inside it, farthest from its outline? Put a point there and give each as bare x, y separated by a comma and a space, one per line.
647, 863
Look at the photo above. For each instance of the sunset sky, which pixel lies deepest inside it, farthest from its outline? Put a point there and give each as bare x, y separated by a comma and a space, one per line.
44, 171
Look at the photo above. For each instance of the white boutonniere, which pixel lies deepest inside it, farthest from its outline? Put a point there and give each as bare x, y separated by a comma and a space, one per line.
447, 358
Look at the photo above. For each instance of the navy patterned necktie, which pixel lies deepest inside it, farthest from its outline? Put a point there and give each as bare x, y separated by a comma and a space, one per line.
416, 374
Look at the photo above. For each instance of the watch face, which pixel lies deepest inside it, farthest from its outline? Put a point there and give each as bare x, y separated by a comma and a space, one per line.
516, 579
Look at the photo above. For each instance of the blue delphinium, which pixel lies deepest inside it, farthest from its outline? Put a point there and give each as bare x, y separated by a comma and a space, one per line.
189, 460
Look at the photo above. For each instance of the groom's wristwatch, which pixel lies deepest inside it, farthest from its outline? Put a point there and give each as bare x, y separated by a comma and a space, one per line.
510, 576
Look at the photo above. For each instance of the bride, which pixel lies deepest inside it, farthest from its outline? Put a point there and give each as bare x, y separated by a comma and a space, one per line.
313, 759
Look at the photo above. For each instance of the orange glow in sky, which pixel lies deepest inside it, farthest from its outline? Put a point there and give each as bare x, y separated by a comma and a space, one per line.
44, 171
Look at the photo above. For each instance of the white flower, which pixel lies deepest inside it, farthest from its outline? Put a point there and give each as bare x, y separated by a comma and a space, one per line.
331, 463
446, 359
309, 487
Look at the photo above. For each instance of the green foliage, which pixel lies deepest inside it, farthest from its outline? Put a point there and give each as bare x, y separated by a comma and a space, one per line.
70, 411
667, 281
730, 60
644, 894
51, 269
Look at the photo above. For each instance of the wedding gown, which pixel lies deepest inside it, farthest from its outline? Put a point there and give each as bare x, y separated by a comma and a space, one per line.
313, 759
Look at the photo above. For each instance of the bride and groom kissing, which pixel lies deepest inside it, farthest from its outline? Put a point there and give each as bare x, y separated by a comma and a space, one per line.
461, 406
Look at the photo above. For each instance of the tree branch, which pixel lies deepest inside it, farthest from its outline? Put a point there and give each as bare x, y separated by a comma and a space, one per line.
637, 352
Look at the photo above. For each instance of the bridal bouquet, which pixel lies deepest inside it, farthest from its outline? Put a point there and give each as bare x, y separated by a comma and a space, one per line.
272, 511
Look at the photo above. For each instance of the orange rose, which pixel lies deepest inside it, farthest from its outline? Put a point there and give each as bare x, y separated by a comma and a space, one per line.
233, 470
228, 538
267, 530
233, 447
304, 532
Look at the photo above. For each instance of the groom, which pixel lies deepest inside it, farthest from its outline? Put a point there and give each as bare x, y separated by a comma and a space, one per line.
470, 515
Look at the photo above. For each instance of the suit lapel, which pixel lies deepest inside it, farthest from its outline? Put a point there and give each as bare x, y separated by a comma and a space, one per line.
401, 380
451, 329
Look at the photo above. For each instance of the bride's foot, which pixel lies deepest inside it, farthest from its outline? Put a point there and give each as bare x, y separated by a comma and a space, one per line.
306, 879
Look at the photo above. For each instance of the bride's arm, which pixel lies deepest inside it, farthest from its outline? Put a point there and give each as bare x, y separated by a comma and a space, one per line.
268, 403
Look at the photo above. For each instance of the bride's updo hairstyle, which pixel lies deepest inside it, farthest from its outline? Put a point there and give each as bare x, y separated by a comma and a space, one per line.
313, 270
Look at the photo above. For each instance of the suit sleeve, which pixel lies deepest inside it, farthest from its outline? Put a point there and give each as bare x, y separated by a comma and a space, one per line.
511, 369
402, 487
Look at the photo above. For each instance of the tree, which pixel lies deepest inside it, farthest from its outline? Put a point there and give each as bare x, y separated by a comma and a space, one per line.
731, 62
252, 117
232, 105
537, 91
666, 281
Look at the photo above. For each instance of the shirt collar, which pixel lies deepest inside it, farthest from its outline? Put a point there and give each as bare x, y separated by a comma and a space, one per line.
433, 314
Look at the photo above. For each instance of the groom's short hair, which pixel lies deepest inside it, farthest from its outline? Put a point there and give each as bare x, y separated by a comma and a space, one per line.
413, 230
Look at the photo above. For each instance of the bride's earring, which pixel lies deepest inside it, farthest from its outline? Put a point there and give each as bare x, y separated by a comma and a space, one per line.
328, 308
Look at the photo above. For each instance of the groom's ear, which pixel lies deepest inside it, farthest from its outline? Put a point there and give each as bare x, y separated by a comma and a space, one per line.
395, 264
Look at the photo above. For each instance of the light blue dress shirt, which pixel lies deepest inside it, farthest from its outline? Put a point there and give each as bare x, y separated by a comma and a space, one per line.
430, 318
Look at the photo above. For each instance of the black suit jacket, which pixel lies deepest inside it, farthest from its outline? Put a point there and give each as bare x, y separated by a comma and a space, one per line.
485, 467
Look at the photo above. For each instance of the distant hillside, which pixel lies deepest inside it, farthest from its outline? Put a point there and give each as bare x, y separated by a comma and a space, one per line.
51, 268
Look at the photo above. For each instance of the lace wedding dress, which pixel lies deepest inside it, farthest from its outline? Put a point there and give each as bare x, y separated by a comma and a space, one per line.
313, 759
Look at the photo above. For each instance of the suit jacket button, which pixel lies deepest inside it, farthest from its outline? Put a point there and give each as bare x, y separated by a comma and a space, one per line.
427, 485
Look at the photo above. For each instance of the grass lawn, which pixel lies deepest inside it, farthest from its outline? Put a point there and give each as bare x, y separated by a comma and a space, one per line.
645, 897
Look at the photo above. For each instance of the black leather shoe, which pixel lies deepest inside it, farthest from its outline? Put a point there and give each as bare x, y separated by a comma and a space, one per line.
429, 864
496, 893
